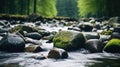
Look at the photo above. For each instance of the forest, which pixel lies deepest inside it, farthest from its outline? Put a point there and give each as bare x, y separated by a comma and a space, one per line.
59, 33
65, 8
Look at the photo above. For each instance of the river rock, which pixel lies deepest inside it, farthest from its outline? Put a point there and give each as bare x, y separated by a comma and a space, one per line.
104, 38
32, 41
117, 29
49, 38
34, 35
22, 28
12, 43
69, 40
33, 48
91, 35
113, 46
2, 23
85, 27
94, 45
4, 30
57, 53
115, 35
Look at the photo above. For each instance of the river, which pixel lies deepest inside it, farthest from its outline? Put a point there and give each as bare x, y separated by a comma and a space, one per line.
76, 59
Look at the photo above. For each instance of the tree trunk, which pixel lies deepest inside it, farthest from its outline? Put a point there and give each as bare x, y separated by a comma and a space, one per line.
35, 1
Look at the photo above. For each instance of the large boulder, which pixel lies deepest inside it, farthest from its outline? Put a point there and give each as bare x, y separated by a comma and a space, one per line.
94, 45
113, 46
34, 35
12, 43
69, 40
57, 53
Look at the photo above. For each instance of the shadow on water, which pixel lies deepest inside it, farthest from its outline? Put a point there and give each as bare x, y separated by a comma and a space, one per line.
10, 65
106, 63
113, 60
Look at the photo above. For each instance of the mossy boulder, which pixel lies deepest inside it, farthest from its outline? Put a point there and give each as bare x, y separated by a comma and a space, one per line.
113, 46
69, 40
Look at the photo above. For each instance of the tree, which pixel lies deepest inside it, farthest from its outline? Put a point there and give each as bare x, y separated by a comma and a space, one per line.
47, 8
35, 1
99, 8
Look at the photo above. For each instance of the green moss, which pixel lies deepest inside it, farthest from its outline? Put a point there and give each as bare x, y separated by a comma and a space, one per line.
109, 32
68, 40
21, 28
62, 39
69, 24
113, 46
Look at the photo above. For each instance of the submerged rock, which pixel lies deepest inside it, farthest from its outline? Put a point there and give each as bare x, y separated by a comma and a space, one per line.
57, 54
94, 45
113, 46
12, 43
69, 40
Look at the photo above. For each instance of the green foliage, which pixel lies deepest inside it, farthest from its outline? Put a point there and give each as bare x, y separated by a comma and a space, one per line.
91, 7
113, 46
47, 8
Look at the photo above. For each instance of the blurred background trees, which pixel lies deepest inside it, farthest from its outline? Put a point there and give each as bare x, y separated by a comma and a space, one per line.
66, 8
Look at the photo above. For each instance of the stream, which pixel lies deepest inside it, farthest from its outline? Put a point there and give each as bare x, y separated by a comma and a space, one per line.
75, 59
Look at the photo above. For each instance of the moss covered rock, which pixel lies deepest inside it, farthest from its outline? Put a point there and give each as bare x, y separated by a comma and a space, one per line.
69, 40
28, 29
23, 28
113, 46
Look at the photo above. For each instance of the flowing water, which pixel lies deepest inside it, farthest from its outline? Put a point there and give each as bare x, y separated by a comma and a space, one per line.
75, 59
